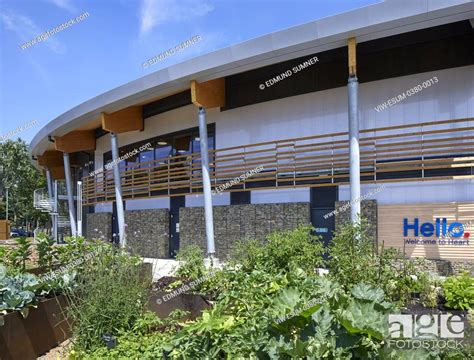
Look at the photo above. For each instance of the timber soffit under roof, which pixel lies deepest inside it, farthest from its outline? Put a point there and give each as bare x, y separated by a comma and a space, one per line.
368, 23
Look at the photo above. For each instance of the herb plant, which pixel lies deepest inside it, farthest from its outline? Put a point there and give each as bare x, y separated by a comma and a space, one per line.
459, 292
21, 253
46, 250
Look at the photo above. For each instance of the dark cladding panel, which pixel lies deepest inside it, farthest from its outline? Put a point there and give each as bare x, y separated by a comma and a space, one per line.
168, 103
437, 48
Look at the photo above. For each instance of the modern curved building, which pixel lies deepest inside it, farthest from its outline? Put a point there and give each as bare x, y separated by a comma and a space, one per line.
396, 78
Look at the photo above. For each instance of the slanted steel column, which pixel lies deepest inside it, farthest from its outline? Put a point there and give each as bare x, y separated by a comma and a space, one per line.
55, 211
206, 182
79, 208
352, 88
70, 193
118, 189
49, 183
354, 152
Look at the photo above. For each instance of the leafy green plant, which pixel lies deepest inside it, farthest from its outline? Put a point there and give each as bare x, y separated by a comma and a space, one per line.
22, 291
353, 259
459, 292
110, 296
358, 320
74, 248
280, 251
146, 340
3, 255
46, 251
16, 292
21, 253
191, 259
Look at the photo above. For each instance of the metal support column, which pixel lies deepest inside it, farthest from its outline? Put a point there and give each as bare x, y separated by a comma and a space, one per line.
206, 182
70, 193
79, 208
352, 88
118, 189
55, 211
49, 183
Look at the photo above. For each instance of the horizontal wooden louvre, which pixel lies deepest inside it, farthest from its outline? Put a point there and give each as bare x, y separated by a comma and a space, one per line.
390, 230
414, 152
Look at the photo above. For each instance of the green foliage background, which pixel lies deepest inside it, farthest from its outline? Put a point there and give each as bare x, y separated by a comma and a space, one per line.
18, 173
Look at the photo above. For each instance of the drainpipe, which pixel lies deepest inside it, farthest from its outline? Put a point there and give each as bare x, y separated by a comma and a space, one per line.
352, 89
206, 182
118, 189
70, 194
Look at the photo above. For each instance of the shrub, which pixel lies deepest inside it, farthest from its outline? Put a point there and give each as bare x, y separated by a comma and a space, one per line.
74, 248
281, 251
266, 306
109, 298
46, 251
21, 253
353, 259
191, 259
459, 292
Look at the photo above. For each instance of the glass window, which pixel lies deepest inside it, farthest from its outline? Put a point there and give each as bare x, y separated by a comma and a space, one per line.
182, 144
146, 159
162, 153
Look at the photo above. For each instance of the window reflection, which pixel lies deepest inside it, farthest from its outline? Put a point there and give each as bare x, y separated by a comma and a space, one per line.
146, 159
176, 145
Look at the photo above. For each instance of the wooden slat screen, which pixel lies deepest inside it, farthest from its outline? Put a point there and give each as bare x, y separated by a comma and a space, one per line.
321, 160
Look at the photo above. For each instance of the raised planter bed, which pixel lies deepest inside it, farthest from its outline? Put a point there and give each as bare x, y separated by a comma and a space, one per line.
193, 303
43, 329
162, 303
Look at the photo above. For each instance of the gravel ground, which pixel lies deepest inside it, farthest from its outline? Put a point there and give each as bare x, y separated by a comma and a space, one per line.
58, 353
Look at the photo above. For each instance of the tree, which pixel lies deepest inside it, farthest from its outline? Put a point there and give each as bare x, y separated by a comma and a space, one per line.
22, 178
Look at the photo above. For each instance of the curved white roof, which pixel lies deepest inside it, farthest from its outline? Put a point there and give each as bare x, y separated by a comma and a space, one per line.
387, 18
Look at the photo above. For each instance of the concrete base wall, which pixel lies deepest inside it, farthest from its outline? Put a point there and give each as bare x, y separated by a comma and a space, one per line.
232, 223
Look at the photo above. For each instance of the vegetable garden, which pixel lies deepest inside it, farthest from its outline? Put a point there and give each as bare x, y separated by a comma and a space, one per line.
268, 301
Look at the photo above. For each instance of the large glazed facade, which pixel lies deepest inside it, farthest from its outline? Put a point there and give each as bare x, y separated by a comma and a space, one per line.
416, 150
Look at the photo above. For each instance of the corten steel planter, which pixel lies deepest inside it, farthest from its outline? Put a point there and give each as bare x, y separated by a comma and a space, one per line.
43, 329
195, 304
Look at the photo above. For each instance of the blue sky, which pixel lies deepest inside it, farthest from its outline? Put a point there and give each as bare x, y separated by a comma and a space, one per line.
108, 48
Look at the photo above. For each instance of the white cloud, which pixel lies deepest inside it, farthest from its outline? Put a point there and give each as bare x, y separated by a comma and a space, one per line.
63, 4
27, 30
157, 12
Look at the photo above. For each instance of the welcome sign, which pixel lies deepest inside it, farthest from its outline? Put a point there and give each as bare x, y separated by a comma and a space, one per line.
432, 230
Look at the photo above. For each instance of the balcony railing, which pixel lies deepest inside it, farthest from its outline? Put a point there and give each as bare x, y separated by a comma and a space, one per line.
437, 150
